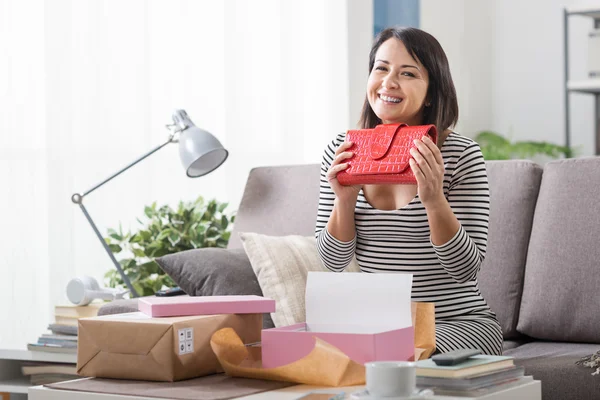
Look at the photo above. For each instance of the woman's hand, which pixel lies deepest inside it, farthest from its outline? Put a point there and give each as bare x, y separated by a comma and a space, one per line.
343, 193
428, 166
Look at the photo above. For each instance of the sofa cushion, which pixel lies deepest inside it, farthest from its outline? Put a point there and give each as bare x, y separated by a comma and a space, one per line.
281, 264
278, 201
554, 363
560, 296
513, 344
514, 189
213, 272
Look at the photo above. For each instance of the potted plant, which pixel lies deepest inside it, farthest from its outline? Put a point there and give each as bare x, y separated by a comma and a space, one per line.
166, 230
496, 147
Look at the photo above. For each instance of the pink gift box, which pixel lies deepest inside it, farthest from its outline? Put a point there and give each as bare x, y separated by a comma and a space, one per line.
205, 305
366, 316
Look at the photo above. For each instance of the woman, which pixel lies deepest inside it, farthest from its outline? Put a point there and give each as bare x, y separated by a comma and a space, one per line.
437, 229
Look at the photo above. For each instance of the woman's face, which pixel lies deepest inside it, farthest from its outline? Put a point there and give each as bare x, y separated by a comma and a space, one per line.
397, 85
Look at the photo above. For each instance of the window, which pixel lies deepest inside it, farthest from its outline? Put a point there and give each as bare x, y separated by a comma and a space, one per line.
388, 13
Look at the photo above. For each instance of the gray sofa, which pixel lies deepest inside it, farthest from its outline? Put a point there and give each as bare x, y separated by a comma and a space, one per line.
542, 271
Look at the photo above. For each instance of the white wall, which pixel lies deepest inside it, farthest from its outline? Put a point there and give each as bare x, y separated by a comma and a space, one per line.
23, 197
528, 93
462, 28
507, 61
89, 87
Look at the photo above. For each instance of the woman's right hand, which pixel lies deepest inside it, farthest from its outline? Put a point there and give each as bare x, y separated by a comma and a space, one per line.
342, 192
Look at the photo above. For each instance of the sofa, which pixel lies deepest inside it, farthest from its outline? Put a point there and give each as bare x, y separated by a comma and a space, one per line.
541, 274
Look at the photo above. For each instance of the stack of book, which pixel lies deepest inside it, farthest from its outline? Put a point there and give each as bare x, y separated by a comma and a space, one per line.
41, 373
63, 332
478, 376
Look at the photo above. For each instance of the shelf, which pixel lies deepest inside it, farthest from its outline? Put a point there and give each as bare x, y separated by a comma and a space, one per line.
593, 12
584, 86
15, 385
26, 355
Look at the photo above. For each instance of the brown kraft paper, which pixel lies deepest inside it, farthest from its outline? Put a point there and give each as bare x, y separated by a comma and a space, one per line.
325, 365
137, 347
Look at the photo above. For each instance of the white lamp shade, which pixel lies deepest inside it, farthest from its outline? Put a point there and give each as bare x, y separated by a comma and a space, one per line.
200, 152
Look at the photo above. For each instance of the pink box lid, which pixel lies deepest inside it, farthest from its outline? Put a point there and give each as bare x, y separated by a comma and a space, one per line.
205, 305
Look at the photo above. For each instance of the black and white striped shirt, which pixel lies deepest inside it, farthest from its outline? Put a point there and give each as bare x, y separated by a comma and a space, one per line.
399, 241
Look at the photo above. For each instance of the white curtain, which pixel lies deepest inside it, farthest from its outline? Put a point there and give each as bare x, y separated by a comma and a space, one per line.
87, 86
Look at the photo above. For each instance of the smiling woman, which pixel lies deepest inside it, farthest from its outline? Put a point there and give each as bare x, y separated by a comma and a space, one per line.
435, 230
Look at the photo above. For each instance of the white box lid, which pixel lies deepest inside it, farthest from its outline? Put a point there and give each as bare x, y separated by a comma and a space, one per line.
358, 302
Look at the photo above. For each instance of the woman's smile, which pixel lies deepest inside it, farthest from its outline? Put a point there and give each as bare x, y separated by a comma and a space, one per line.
389, 99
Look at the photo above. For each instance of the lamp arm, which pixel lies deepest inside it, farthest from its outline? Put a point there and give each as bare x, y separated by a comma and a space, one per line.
154, 150
78, 199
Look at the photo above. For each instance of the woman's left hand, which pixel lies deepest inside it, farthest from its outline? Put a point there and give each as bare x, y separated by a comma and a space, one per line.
428, 166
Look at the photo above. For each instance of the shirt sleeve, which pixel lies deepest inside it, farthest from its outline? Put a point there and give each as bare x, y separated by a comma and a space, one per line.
469, 198
335, 254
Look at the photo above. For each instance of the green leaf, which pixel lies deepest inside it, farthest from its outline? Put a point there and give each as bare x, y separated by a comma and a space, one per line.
136, 238
164, 234
174, 238
138, 252
115, 248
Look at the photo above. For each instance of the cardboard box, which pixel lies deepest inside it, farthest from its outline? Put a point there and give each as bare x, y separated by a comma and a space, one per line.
205, 305
136, 346
366, 316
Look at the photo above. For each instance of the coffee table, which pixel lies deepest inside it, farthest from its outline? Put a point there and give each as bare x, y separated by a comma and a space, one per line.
528, 391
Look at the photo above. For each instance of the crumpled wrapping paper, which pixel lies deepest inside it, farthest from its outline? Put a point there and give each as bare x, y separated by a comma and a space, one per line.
325, 365
423, 319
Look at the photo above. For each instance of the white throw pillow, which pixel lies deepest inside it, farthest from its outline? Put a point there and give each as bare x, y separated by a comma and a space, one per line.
281, 265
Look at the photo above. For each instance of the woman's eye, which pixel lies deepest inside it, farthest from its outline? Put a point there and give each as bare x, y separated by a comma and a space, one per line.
380, 68
408, 74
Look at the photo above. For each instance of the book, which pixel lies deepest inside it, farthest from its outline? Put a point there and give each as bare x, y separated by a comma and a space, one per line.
67, 321
59, 329
475, 365
484, 391
471, 382
58, 342
72, 338
51, 348
73, 311
48, 368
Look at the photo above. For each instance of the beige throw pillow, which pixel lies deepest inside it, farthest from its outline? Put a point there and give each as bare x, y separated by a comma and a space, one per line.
281, 265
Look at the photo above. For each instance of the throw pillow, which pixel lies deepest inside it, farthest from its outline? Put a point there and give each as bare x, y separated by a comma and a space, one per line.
213, 272
281, 265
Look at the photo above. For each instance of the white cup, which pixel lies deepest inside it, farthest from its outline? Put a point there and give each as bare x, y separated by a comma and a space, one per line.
391, 378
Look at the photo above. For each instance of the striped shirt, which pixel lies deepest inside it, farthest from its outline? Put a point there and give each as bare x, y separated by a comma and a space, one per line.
399, 241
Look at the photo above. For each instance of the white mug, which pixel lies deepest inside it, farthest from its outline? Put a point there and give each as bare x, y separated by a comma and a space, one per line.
391, 378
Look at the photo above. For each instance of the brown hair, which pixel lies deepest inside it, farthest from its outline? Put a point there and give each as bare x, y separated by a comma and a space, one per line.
441, 94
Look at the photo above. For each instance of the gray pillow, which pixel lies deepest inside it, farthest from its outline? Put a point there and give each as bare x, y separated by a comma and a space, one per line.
213, 272
560, 292
514, 187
